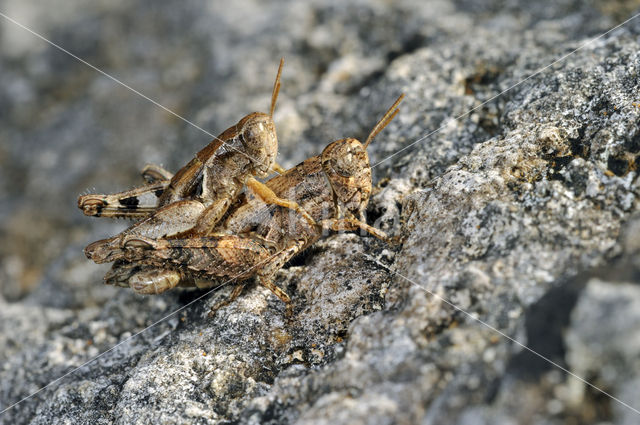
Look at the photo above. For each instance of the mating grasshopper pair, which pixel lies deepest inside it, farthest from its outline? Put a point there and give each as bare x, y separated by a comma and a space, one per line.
204, 230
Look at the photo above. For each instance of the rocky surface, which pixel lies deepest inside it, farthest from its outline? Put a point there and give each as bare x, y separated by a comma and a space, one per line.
522, 213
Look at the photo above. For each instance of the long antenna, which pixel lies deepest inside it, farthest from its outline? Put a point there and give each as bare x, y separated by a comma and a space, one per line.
276, 88
385, 120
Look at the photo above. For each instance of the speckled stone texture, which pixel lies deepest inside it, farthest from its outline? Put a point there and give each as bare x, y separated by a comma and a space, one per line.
521, 211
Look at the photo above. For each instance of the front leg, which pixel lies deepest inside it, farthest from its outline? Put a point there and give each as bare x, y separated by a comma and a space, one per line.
268, 196
352, 224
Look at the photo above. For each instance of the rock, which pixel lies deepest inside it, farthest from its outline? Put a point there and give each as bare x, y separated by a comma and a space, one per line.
520, 210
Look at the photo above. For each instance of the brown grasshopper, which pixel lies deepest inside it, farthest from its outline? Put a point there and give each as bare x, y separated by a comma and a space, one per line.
256, 238
193, 201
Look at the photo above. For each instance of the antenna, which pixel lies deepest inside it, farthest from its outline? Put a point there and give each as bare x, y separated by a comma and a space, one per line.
276, 88
385, 120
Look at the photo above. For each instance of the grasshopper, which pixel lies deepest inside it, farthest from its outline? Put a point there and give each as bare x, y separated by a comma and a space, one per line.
193, 201
256, 238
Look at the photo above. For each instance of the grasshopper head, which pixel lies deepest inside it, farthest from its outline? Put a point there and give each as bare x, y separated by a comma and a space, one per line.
258, 134
346, 164
260, 142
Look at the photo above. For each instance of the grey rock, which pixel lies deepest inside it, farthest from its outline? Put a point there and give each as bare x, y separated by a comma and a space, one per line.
604, 341
520, 210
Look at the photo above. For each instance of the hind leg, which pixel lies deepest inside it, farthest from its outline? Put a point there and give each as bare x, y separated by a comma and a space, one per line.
231, 298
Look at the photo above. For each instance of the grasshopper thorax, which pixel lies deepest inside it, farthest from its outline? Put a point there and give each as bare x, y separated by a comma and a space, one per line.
258, 137
346, 164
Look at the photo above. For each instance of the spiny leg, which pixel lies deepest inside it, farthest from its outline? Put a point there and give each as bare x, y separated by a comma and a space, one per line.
224, 256
265, 276
127, 204
237, 290
210, 217
268, 196
229, 256
173, 219
266, 272
268, 283
352, 224
122, 204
